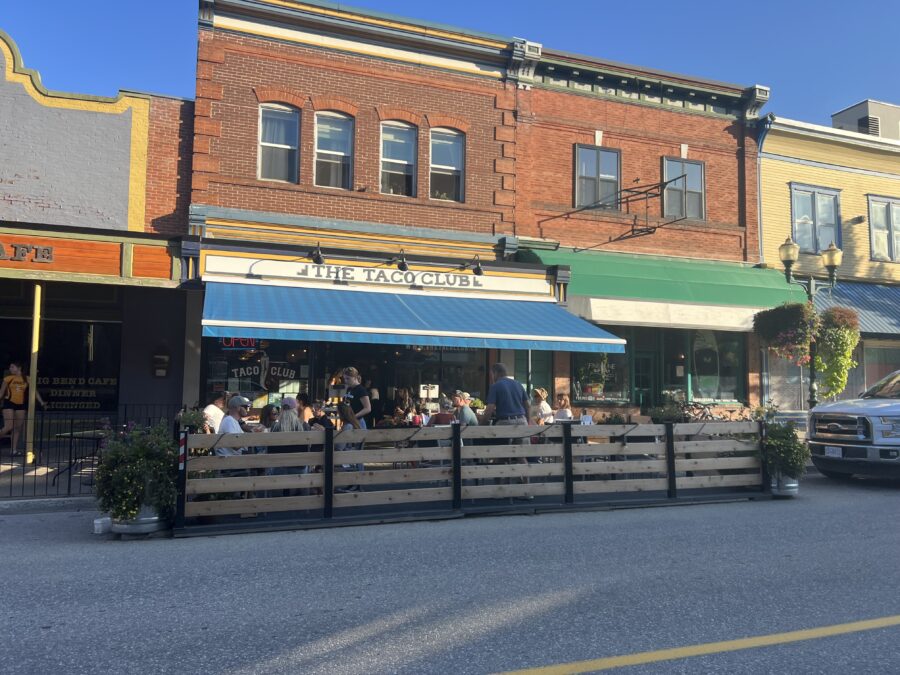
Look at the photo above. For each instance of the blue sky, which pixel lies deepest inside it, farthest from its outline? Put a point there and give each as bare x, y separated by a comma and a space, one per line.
818, 56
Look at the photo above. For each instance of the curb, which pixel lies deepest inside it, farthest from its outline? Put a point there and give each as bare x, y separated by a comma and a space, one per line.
20, 506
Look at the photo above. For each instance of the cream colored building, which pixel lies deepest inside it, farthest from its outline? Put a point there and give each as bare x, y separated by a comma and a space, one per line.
817, 185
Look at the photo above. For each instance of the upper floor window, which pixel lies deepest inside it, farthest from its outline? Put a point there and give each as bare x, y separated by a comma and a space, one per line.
334, 150
448, 161
279, 131
684, 197
815, 217
398, 158
596, 177
884, 226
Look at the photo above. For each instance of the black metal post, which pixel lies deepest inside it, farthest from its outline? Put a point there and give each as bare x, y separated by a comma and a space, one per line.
568, 468
328, 474
181, 504
456, 464
670, 460
71, 456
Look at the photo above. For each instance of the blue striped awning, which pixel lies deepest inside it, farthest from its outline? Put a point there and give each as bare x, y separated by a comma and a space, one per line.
330, 315
878, 305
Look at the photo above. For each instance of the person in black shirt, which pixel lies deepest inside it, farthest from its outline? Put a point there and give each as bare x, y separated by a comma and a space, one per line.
357, 395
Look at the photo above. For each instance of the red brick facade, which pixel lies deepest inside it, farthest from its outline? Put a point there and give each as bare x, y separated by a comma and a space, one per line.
519, 150
169, 165
552, 122
237, 73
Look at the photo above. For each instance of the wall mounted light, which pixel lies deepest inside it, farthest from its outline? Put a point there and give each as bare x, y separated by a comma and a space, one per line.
402, 265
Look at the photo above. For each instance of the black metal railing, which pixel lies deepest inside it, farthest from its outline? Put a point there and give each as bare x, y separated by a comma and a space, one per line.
66, 449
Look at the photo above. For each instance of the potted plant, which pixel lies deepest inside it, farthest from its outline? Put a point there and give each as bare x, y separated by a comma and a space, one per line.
784, 455
136, 479
838, 337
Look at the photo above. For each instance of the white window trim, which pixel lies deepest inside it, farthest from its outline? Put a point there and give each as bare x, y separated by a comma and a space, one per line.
815, 191
461, 169
261, 143
316, 151
399, 162
893, 256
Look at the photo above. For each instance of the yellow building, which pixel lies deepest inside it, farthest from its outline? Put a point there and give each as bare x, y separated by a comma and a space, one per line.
818, 185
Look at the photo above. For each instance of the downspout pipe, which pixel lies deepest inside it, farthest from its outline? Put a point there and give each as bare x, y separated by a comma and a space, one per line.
766, 125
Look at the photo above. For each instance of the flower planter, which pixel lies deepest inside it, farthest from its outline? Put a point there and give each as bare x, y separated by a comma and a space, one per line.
147, 521
784, 486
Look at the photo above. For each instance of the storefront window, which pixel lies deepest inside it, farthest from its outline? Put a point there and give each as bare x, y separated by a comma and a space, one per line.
600, 377
717, 365
78, 367
880, 361
262, 370
674, 364
541, 374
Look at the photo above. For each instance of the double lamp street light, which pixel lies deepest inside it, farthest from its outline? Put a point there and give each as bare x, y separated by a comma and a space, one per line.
789, 252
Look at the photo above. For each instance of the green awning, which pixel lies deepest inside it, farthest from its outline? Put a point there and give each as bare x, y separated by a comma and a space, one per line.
599, 274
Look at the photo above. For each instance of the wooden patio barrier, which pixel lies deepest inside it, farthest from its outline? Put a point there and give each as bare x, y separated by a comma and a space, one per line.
318, 475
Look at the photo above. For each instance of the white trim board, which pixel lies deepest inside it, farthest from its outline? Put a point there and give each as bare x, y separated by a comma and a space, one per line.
615, 311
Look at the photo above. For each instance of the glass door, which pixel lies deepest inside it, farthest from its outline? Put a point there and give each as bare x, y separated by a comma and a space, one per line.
645, 380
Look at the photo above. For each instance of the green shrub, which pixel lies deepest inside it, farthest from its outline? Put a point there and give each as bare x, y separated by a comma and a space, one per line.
782, 451
671, 412
138, 467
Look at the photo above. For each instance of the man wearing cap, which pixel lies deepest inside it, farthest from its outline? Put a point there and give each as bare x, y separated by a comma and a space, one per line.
238, 408
464, 413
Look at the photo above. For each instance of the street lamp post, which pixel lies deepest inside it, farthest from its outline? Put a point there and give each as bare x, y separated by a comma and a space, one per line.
789, 252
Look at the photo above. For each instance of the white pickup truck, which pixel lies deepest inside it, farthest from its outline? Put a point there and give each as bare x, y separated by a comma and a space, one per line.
860, 436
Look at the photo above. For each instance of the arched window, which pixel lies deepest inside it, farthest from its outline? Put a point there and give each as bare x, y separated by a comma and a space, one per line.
334, 150
448, 164
399, 148
279, 133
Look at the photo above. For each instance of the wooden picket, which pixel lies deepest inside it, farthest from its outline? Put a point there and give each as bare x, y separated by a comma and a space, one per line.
316, 474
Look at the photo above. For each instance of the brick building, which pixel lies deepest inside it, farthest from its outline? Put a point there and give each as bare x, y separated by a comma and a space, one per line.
369, 142
353, 196
94, 193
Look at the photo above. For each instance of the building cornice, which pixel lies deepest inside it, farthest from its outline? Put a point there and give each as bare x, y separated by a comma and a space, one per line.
830, 134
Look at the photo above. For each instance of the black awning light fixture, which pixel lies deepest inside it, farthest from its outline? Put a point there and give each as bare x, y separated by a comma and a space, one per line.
789, 253
316, 255
402, 265
475, 264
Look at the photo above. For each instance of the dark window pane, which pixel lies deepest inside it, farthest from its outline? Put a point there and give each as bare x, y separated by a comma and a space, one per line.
674, 199
333, 171
608, 193
278, 164
587, 191
445, 185
694, 205
397, 179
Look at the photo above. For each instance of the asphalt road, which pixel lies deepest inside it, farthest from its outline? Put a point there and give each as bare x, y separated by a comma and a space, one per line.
466, 596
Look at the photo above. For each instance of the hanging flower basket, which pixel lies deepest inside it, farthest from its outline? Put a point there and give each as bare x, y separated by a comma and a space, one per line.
838, 337
787, 330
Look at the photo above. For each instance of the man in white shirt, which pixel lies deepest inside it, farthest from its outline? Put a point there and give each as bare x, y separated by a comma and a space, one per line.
238, 408
215, 411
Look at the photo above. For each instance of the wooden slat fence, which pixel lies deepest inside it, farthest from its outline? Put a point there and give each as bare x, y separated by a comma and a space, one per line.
319, 475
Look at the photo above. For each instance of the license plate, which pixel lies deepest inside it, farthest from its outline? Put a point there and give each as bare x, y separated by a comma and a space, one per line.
832, 451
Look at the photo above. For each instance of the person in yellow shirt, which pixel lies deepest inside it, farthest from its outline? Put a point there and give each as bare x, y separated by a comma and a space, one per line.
14, 394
